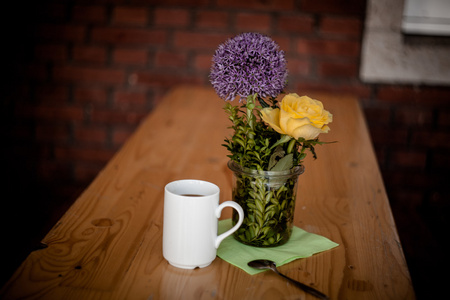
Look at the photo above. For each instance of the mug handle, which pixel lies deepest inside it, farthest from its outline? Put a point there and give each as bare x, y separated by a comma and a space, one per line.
237, 207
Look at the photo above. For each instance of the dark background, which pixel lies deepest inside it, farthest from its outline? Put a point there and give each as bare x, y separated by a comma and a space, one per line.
79, 76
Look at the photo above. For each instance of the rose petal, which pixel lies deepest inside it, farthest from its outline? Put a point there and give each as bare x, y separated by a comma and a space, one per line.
272, 117
286, 116
308, 132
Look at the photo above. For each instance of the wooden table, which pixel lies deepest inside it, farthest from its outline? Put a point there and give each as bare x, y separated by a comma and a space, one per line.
108, 245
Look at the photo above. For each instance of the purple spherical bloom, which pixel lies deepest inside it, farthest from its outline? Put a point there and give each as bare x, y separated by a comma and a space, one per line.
247, 64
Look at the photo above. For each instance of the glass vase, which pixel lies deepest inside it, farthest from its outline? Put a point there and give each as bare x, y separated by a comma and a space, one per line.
268, 200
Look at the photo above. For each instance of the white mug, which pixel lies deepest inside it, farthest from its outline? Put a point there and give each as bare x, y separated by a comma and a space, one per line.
191, 212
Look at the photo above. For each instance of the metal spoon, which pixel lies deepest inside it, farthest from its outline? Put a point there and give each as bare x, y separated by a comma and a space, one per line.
268, 264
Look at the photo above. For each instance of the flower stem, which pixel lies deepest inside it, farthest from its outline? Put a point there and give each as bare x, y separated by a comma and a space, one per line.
263, 103
291, 146
250, 116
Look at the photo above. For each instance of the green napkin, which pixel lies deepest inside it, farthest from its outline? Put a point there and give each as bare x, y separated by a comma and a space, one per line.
301, 244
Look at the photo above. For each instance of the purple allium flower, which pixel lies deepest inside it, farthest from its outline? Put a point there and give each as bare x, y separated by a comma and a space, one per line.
246, 64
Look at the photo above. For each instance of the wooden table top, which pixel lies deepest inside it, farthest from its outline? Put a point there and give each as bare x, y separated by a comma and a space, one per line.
108, 245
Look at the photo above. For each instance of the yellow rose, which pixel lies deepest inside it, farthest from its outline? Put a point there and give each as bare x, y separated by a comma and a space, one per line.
298, 117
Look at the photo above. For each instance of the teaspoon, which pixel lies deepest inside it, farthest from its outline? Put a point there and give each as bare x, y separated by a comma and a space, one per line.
268, 264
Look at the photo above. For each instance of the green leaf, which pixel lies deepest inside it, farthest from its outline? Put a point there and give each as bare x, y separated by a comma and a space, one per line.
259, 205
285, 138
274, 201
269, 215
285, 163
277, 154
268, 196
265, 230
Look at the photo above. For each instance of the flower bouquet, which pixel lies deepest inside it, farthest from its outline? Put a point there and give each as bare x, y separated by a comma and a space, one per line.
270, 138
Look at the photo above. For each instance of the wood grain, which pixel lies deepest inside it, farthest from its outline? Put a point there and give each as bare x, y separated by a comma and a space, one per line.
108, 245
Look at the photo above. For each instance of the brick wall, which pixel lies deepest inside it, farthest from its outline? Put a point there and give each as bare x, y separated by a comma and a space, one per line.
83, 74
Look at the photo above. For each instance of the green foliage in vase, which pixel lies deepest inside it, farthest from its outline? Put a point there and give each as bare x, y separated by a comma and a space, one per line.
268, 207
